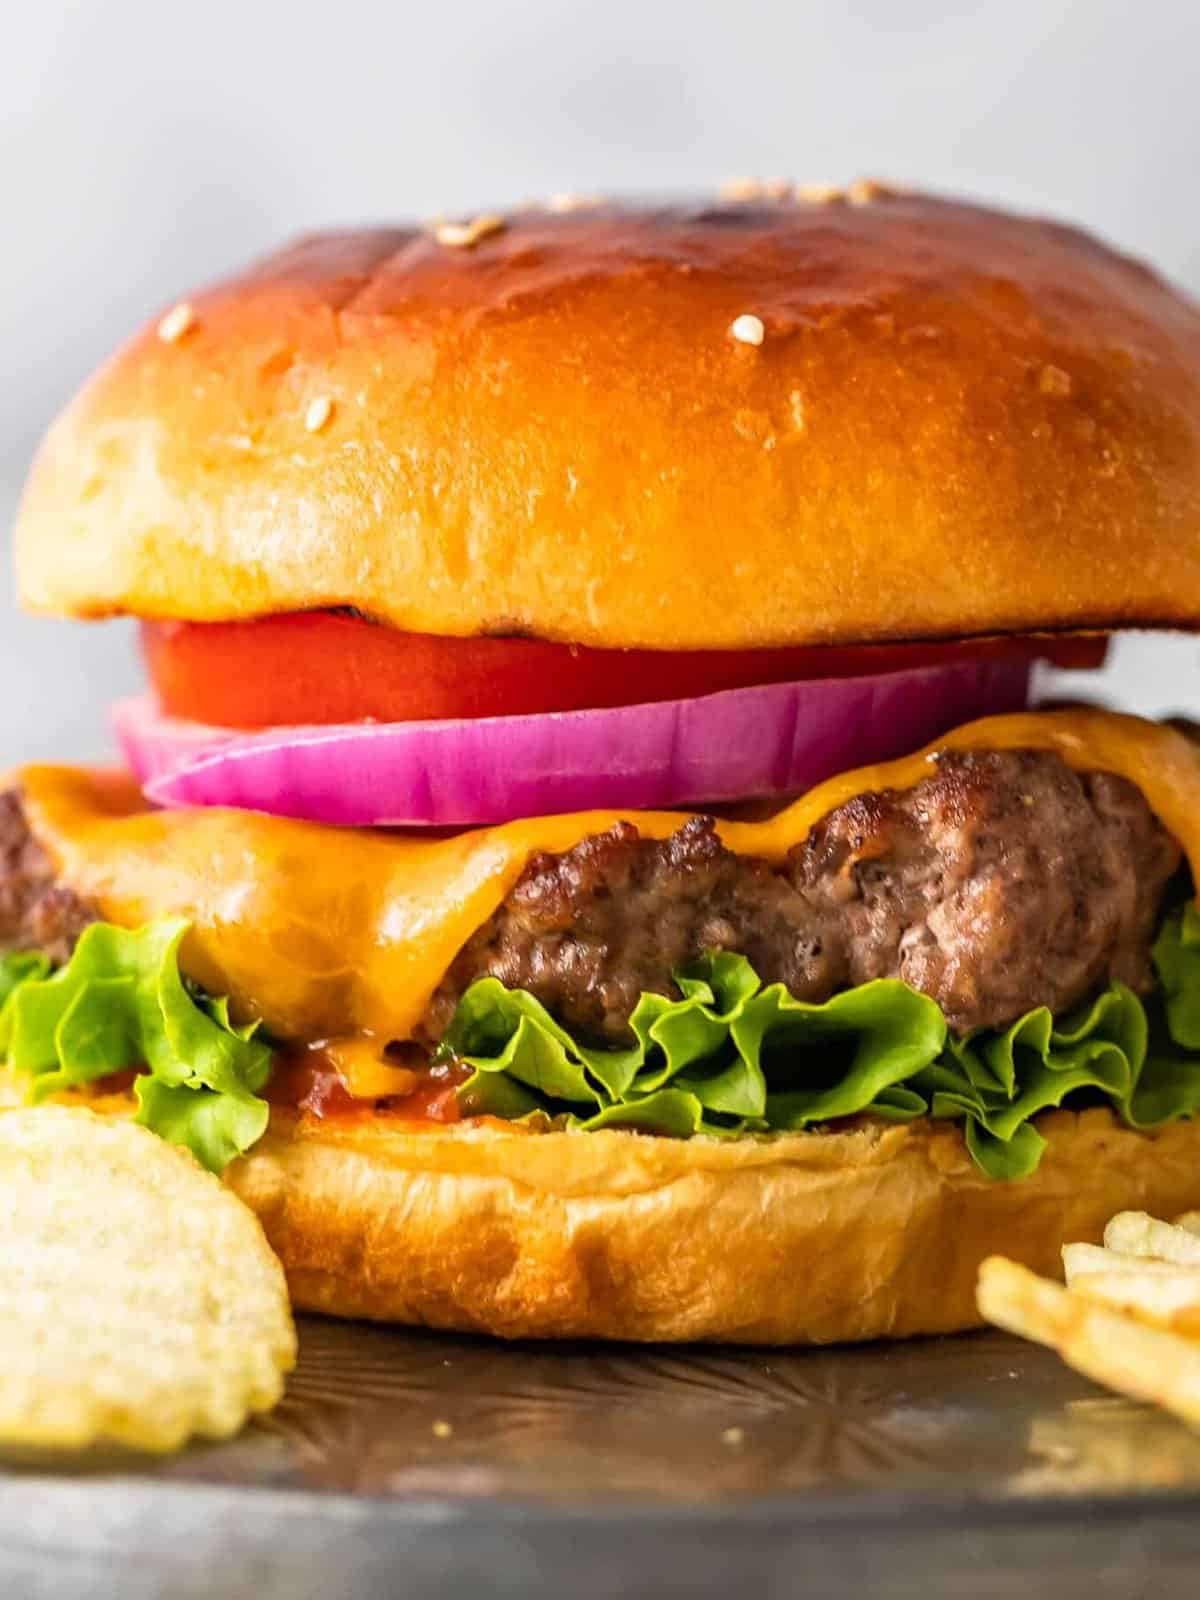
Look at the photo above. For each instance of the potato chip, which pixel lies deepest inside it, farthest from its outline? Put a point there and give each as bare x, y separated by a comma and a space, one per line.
1155, 1291
1081, 1258
1190, 1221
1133, 1233
139, 1301
1159, 1288
1146, 1363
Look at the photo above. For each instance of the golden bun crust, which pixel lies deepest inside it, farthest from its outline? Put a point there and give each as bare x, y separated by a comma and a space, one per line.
872, 1233
958, 421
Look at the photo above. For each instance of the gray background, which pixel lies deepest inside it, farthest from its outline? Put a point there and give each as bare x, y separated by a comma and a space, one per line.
145, 145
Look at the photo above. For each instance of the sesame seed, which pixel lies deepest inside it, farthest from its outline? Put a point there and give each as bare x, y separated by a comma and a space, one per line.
465, 235
176, 323
733, 1436
754, 189
819, 194
442, 1430
739, 189
863, 190
1053, 380
318, 414
573, 202
747, 329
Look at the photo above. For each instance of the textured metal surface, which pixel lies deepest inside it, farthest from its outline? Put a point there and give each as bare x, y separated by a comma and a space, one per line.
912, 1469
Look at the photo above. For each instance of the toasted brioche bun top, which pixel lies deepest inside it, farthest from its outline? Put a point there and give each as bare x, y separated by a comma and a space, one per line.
957, 422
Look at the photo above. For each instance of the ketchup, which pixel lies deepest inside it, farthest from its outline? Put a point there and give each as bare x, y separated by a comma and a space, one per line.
306, 1080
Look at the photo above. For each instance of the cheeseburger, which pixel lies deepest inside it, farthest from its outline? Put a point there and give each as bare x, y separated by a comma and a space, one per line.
588, 863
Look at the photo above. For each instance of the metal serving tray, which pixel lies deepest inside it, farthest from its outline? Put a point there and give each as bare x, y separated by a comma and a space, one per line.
406, 1463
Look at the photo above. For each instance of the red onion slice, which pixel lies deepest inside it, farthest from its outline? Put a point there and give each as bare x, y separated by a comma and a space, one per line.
155, 745
740, 744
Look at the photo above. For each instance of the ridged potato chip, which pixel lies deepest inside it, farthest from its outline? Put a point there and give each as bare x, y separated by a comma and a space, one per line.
1133, 1233
1153, 1291
139, 1300
1146, 1363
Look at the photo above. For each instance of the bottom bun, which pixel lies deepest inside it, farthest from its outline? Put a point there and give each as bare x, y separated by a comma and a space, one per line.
873, 1232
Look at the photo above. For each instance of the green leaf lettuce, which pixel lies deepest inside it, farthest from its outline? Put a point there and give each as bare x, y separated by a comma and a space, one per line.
730, 1057
727, 1057
121, 1002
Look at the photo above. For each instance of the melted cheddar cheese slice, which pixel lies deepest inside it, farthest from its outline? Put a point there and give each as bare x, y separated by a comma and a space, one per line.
323, 932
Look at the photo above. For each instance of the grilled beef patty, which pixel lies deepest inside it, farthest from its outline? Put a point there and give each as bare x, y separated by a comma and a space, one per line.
1003, 881
36, 911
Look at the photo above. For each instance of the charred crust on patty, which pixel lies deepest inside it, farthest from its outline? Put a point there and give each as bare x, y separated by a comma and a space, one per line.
1003, 881
37, 911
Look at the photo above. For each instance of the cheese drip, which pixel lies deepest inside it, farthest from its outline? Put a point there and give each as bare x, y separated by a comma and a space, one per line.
322, 932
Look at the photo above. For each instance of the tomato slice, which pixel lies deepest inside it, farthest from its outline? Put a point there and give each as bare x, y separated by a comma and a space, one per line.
326, 667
